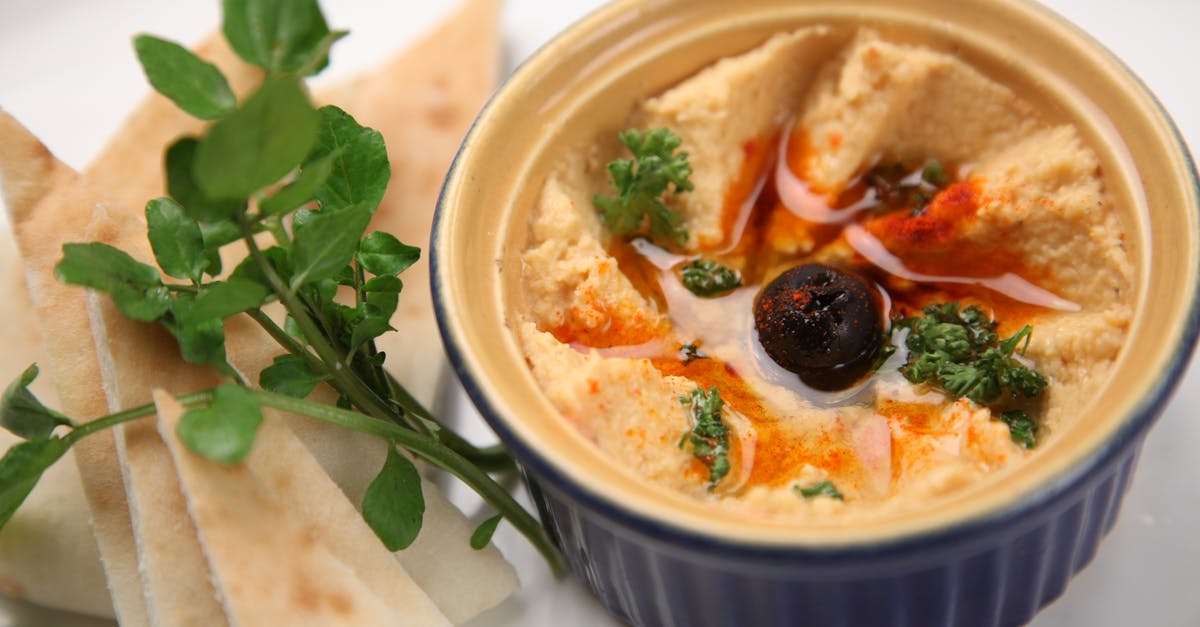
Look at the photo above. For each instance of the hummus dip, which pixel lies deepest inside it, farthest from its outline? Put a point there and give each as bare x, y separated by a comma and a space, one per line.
786, 142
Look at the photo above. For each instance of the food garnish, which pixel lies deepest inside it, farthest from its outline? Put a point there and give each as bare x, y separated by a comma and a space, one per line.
824, 488
709, 437
1022, 428
641, 183
959, 351
898, 187
821, 323
310, 179
707, 278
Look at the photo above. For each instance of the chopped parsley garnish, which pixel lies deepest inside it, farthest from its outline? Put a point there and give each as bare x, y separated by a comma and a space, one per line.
642, 182
897, 187
709, 437
1021, 427
825, 488
960, 352
691, 352
706, 278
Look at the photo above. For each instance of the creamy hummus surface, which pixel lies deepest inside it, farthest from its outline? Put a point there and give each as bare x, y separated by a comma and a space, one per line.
781, 140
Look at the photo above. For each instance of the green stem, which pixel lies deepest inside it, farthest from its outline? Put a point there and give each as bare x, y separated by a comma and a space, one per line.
435, 453
493, 458
347, 383
187, 400
288, 342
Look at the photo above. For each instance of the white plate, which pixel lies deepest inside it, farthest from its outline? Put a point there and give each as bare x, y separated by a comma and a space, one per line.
68, 73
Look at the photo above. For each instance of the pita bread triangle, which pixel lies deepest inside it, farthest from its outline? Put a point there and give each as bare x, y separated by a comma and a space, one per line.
270, 569
282, 463
48, 205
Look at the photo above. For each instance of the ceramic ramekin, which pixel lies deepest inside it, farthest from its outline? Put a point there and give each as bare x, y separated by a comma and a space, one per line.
991, 557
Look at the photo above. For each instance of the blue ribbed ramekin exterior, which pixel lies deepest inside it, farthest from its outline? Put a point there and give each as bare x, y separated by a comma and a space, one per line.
995, 575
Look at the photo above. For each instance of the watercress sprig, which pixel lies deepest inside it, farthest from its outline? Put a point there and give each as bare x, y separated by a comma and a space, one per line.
310, 179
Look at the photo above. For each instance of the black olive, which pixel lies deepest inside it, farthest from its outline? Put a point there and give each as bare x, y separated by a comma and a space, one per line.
821, 323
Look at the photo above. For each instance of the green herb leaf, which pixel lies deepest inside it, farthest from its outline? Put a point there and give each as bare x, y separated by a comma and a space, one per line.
193, 84
394, 505
221, 300
224, 431
279, 35
707, 278
300, 191
360, 168
825, 488
277, 257
656, 167
259, 143
383, 295
177, 240
368, 329
1021, 427
21, 468
382, 254
709, 437
325, 242
959, 351
182, 186
23, 414
484, 532
290, 375
135, 287
201, 343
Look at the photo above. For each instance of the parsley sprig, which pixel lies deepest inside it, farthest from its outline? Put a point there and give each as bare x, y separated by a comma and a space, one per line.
709, 437
641, 184
310, 179
959, 351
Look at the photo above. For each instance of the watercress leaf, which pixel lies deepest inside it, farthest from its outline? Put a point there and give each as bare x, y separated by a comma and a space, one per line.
381, 254
23, 414
383, 303
484, 532
277, 35
193, 84
135, 287
301, 190
224, 431
290, 375
384, 284
368, 329
176, 239
325, 243
201, 342
393, 505
318, 56
360, 168
21, 468
277, 257
259, 143
221, 300
217, 234
182, 186
104, 268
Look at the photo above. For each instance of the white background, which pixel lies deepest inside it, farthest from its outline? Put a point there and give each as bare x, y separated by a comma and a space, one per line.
67, 71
